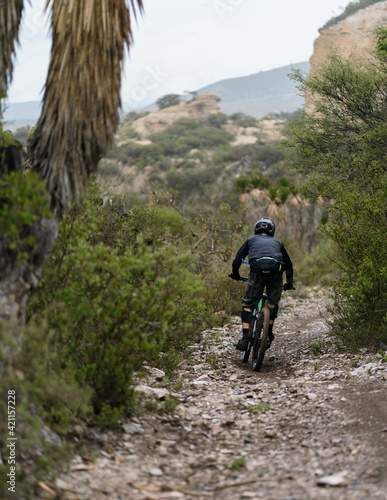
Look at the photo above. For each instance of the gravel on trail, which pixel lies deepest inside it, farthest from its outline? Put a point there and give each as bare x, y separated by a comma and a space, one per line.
311, 425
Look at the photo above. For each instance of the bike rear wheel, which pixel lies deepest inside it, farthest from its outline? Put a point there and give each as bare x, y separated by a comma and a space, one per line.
260, 339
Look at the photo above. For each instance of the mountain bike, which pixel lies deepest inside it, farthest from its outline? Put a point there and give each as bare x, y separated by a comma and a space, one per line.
258, 334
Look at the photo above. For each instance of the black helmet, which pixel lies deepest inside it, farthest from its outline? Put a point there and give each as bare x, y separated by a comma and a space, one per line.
265, 225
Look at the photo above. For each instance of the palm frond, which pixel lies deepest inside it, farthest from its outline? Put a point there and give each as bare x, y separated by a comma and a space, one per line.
10, 17
82, 93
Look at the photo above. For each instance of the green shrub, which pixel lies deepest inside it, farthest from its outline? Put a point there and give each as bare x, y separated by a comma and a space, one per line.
131, 152
115, 296
340, 149
244, 120
191, 181
217, 120
186, 134
23, 202
221, 294
133, 116
168, 100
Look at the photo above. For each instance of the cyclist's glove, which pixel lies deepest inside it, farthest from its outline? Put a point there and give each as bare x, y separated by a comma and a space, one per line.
288, 286
235, 276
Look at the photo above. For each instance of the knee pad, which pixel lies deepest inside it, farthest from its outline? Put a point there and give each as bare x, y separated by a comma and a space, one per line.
246, 316
273, 312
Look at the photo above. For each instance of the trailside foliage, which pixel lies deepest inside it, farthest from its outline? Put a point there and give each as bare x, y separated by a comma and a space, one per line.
340, 145
115, 296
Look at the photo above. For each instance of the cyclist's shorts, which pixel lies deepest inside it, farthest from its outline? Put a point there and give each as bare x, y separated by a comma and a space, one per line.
255, 286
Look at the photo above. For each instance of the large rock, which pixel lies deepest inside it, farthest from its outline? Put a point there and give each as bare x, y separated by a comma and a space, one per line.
158, 121
353, 35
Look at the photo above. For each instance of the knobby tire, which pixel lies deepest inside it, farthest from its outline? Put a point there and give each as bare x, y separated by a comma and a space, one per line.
260, 341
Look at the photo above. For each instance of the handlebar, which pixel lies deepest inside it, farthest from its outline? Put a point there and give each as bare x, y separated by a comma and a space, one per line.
243, 278
239, 278
287, 289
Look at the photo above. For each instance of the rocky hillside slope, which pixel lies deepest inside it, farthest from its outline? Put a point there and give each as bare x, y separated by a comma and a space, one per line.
158, 121
353, 35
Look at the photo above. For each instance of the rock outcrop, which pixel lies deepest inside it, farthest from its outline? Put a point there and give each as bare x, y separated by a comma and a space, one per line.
158, 121
296, 219
351, 36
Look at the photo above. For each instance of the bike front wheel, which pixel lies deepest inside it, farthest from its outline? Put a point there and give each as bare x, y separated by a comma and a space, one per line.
260, 339
246, 354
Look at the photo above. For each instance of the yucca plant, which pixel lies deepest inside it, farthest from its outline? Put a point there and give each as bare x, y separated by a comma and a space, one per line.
82, 93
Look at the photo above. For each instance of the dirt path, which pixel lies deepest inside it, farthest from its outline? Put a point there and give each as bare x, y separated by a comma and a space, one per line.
311, 425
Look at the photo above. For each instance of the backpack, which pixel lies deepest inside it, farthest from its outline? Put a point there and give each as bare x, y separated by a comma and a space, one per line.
265, 266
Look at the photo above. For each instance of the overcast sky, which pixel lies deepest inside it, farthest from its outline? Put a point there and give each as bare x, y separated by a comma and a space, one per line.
183, 45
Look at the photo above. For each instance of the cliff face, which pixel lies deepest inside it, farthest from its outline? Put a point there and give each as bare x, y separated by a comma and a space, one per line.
353, 35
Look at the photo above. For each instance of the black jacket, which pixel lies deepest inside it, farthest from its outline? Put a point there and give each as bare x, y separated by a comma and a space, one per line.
262, 245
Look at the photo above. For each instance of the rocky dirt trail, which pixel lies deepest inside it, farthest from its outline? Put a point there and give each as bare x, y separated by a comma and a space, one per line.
311, 425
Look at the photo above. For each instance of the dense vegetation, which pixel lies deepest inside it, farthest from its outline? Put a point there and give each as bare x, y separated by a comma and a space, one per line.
340, 147
195, 158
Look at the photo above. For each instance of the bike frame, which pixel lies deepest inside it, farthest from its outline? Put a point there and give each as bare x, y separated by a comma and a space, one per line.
262, 303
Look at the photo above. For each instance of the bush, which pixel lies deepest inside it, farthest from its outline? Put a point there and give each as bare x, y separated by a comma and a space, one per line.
23, 202
131, 152
316, 266
191, 181
114, 296
217, 120
340, 149
242, 184
244, 120
168, 100
187, 134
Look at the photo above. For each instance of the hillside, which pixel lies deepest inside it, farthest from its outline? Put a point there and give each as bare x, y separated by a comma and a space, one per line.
203, 159
259, 94
21, 114
191, 147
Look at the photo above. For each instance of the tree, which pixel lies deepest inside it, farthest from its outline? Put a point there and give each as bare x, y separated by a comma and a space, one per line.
340, 148
79, 117
168, 100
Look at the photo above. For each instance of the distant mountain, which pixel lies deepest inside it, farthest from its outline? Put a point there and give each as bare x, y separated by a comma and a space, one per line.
259, 94
256, 95
21, 114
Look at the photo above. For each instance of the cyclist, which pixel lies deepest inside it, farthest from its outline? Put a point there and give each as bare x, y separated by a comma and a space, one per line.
268, 259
